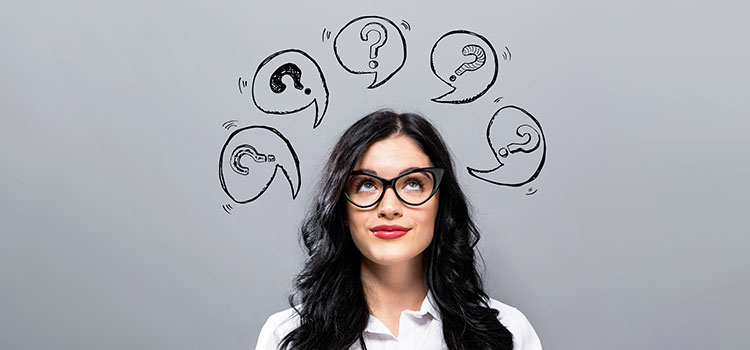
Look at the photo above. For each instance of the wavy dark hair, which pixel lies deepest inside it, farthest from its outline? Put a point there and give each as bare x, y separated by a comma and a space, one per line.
333, 310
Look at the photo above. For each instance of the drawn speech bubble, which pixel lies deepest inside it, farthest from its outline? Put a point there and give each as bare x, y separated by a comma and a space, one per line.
250, 160
517, 142
371, 45
466, 62
289, 81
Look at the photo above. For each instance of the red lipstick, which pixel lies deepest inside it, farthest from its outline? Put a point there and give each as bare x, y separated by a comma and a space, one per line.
389, 231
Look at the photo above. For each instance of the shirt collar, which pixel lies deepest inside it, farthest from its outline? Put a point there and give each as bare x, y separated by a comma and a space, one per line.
429, 306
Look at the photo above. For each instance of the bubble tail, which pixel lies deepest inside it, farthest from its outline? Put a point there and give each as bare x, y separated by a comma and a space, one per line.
375, 83
318, 114
486, 175
496, 176
294, 179
442, 98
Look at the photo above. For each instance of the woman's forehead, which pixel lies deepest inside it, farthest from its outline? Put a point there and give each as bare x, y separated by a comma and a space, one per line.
392, 155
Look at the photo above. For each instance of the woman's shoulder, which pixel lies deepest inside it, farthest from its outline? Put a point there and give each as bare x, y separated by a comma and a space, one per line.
276, 327
524, 335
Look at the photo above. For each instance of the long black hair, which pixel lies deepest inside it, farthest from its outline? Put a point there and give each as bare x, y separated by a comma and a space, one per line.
333, 310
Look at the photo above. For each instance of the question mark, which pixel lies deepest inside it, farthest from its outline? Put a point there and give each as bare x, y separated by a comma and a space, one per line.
364, 34
530, 141
291, 70
248, 150
479, 58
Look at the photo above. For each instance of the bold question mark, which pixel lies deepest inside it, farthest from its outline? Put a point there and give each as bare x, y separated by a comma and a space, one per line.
530, 141
291, 70
248, 150
364, 34
479, 59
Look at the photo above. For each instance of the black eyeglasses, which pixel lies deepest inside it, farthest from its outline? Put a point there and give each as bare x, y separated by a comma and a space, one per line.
414, 187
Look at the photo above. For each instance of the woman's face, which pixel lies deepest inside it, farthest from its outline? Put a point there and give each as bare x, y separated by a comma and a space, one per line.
387, 159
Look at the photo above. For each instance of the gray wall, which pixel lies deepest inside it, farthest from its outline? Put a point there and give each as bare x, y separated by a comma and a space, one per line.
113, 232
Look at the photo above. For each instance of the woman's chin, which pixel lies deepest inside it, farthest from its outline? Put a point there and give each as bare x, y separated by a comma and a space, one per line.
390, 258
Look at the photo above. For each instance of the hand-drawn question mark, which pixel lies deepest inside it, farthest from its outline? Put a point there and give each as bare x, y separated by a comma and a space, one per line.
248, 150
364, 34
479, 59
291, 70
530, 141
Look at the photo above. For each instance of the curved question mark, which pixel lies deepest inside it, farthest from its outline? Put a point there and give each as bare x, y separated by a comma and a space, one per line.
529, 143
364, 34
479, 58
290, 69
248, 150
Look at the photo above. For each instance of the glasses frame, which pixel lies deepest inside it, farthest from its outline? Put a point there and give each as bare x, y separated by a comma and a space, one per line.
437, 174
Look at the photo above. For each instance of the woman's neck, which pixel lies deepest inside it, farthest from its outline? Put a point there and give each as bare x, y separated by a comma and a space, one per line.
390, 289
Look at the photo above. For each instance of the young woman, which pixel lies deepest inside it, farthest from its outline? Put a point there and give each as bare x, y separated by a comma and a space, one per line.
391, 261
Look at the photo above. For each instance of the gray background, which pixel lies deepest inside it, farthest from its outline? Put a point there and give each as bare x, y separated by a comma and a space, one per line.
113, 235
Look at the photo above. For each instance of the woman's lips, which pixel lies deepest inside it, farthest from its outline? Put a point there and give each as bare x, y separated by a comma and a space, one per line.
389, 231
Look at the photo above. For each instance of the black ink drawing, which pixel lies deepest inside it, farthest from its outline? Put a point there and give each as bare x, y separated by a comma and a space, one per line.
466, 62
405, 24
250, 159
517, 142
325, 35
227, 208
506, 54
230, 124
308, 85
371, 45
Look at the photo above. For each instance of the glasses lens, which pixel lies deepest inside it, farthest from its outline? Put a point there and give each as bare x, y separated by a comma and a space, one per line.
414, 188
363, 190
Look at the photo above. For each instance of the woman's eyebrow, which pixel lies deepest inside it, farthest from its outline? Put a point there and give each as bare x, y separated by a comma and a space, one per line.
373, 172
365, 170
408, 170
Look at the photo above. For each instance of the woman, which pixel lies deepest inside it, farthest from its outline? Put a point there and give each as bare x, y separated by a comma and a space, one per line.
390, 246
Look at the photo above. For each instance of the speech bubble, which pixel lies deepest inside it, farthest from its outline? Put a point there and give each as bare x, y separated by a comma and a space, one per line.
371, 45
517, 142
289, 81
250, 160
466, 62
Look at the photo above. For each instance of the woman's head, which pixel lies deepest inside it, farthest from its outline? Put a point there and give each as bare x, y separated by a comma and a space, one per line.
387, 144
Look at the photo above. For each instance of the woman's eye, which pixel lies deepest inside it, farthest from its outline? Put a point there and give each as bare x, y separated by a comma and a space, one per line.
413, 185
366, 187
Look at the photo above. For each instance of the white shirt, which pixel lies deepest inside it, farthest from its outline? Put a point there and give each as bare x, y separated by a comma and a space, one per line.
417, 329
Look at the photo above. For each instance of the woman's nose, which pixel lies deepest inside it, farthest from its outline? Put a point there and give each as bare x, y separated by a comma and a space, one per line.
390, 206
